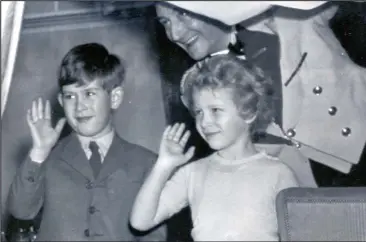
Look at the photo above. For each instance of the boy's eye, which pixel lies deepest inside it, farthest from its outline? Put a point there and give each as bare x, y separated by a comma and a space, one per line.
69, 96
215, 110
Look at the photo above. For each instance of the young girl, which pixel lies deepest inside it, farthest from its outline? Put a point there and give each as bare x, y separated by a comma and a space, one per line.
231, 192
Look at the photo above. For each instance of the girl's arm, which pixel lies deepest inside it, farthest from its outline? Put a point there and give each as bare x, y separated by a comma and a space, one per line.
159, 196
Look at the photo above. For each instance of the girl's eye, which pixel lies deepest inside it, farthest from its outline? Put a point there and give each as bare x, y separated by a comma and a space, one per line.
90, 94
197, 112
215, 110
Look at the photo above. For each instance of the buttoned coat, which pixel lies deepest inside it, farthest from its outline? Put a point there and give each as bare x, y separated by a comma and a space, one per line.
76, 206
324, 104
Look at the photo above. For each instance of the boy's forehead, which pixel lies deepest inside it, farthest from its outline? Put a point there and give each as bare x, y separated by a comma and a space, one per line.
75, 87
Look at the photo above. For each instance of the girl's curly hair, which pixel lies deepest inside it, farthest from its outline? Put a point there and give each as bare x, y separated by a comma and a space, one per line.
252, 89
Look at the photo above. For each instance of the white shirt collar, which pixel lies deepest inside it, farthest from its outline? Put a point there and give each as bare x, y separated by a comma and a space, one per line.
104, 142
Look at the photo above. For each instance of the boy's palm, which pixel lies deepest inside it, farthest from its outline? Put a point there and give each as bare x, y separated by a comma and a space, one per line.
172, 146
44, 136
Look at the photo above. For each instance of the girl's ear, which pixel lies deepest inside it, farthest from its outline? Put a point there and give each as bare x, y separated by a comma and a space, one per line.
116, 97
184, 101
251, 120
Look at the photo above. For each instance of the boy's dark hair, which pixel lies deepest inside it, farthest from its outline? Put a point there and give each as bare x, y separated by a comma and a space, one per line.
88, 62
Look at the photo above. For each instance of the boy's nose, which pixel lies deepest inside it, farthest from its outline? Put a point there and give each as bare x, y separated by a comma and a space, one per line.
81, 105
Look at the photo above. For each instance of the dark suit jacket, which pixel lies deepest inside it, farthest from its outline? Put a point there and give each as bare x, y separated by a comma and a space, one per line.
76, 206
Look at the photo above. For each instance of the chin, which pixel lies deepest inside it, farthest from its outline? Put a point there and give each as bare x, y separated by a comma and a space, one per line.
87, 133
197, 53
215, 145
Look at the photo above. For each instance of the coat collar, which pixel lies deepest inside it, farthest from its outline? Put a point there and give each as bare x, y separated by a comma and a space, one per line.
73, 154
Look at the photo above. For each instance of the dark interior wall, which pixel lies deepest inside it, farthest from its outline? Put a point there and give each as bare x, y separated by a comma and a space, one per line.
141, 117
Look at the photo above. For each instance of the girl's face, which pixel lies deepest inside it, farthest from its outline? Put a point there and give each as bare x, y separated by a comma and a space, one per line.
218, 120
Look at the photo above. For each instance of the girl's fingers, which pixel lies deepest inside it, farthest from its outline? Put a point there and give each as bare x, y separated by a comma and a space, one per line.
173, 130
190, 153
166, 131
184, 139
178, 134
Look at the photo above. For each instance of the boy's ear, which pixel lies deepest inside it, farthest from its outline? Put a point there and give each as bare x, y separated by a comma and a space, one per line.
116, 97
59, 99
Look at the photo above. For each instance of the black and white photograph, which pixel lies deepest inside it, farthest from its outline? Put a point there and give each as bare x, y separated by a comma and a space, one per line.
183, 121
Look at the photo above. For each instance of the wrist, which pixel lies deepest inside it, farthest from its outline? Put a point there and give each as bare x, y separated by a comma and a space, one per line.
165, 165
39, 154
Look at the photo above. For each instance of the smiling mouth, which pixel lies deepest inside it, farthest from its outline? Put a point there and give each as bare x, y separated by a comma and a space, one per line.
83, 119
190, 41
210, 135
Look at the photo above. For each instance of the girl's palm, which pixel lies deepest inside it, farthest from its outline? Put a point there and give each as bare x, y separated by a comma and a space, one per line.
173, 143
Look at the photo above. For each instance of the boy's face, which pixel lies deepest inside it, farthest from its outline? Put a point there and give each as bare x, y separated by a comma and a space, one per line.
197, 37
217, 118
88, 108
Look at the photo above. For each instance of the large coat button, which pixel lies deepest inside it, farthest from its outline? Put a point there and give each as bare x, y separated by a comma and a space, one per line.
291, 133
332, 110
317, 90
346, 131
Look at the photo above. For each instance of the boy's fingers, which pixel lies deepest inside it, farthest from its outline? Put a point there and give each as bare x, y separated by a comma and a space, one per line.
40, 108
60, 124
178, 134
47, 111
29, 117
185, 138
34, 112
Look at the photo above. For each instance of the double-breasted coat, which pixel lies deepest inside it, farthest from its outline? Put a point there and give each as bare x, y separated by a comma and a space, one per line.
323, 104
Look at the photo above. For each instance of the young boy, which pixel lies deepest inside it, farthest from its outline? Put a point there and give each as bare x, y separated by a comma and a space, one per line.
86, 182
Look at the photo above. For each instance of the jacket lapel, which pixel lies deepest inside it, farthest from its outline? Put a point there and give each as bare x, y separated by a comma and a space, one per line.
115, 158
74, 155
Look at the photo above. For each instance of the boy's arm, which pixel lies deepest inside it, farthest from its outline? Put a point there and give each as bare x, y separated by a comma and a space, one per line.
27, 190
159, 198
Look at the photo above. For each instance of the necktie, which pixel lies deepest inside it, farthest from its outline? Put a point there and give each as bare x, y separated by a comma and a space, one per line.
95, 159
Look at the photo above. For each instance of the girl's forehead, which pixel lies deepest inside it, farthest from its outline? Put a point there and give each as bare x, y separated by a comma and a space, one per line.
213, 95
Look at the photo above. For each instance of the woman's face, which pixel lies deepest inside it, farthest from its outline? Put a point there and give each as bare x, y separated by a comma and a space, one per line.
199, 38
